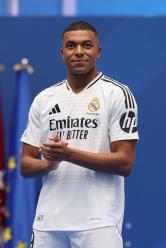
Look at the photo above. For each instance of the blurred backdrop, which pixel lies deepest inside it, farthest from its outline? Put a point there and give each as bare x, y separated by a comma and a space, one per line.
83, 8
133, 42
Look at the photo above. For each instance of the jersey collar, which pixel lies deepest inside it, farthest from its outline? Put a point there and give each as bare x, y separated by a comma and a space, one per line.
95, 80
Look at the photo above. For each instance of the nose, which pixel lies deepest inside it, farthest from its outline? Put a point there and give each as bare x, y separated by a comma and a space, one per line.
79, 51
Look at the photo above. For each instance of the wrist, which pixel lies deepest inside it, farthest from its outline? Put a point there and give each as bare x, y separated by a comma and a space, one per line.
70, 152
47, 165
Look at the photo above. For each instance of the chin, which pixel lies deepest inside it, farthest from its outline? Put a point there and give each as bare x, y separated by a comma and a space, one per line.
81, 72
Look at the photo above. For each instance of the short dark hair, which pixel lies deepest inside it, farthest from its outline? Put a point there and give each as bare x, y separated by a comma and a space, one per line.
80, 25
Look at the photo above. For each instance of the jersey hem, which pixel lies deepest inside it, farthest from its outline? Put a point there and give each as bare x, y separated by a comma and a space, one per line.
117, 138
23, 140
66, 228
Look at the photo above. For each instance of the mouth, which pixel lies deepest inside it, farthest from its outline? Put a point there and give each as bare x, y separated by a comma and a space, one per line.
79, 61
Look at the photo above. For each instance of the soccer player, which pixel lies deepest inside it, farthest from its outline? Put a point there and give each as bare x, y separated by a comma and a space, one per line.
85, 129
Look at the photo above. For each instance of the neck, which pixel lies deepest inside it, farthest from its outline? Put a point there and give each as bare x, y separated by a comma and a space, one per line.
79, 82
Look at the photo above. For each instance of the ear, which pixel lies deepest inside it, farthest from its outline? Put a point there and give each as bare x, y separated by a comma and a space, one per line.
99, 52
61, 53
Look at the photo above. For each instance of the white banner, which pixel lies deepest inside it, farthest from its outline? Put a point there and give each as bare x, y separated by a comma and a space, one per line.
69, 7
13, 7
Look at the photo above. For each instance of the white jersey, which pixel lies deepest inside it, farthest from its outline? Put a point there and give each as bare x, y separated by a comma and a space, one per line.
73, 197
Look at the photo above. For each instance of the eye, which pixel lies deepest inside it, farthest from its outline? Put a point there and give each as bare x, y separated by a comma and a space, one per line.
88, 44
70, 45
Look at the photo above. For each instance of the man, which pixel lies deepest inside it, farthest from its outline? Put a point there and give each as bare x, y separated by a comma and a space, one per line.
85, 128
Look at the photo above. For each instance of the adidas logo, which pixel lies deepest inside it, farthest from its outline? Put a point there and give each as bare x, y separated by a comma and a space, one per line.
55, 110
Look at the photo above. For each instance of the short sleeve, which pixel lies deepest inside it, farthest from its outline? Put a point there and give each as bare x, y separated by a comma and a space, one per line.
32, 133
124, 116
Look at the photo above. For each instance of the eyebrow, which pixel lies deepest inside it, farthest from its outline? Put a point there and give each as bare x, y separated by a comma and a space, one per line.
72, 41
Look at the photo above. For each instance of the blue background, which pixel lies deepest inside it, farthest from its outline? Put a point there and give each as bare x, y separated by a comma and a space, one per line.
133, 53
88, 7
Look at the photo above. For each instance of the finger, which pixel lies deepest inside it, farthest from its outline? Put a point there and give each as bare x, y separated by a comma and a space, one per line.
47, 148
52, 158
43, 149
53, 145
49, 158
40, 149
52, 153
59, 144
55, 139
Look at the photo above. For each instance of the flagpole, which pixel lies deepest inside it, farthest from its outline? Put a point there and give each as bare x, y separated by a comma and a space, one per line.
23, 65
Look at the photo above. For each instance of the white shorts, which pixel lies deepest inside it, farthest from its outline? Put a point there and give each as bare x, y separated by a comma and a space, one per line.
107, 237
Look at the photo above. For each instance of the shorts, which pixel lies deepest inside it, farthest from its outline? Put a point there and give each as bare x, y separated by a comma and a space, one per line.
106, 237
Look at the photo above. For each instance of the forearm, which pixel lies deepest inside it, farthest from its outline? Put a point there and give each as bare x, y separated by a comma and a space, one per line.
113, 163
33, 167
119, 161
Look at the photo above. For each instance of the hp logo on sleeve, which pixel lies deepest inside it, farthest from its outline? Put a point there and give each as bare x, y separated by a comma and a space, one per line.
128, 122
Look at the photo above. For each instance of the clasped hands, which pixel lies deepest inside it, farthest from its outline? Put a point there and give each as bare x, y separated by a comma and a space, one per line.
55, 150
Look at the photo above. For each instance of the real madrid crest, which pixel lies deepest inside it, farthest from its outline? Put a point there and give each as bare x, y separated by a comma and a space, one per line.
94, 105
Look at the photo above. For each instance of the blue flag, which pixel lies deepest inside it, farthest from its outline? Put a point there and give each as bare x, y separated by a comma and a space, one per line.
21, 196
